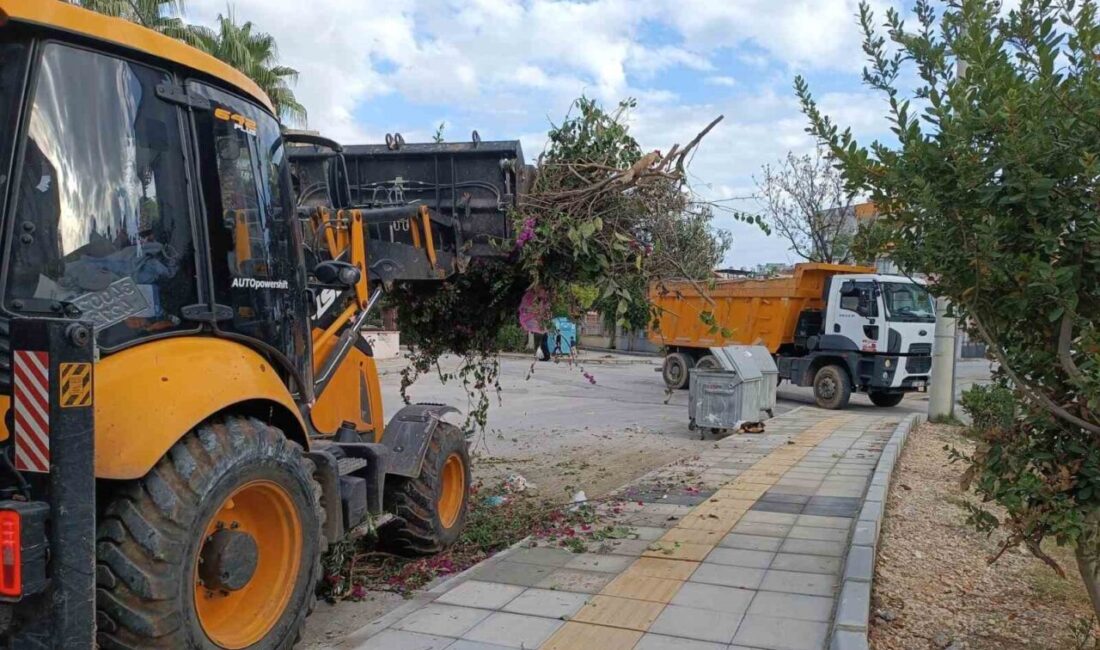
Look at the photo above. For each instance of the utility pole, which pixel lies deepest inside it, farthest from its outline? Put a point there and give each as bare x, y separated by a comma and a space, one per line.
941, 391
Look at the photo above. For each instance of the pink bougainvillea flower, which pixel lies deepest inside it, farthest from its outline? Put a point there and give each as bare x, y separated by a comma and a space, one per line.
534, 310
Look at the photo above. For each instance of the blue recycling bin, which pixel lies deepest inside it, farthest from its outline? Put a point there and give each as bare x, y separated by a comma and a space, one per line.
562, 336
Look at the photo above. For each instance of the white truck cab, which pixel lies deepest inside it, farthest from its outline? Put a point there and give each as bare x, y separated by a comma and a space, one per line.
879, 328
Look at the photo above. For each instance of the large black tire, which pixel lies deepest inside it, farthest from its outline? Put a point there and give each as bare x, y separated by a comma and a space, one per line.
152, 530
418, 528
708, 362
832, 388
885, 399
675, 370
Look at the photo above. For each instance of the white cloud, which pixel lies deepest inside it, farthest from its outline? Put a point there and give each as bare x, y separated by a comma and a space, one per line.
721, 80
508, 67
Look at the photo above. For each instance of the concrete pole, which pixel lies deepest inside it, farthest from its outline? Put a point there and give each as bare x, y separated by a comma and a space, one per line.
941, 391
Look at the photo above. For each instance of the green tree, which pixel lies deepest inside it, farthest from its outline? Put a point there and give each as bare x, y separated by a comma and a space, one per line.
991, 189
252, 52
255, 54
158, 15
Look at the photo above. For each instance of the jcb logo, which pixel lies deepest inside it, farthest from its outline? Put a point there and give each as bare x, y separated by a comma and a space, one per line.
240, 122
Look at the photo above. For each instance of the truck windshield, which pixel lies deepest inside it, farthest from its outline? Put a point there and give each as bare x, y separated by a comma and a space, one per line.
101, 217
908, 302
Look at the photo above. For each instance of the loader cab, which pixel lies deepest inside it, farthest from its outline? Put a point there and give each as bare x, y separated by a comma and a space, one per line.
145, 200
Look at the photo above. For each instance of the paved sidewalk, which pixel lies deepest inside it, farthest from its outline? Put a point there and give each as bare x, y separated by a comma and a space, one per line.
740, 547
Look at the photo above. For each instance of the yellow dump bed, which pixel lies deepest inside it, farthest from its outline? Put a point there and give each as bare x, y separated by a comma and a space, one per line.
752, 311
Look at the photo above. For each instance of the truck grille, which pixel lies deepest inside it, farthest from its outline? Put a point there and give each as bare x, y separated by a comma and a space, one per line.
921, 349
918, 365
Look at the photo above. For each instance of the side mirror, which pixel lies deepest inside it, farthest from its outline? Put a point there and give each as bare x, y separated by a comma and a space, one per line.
337, 273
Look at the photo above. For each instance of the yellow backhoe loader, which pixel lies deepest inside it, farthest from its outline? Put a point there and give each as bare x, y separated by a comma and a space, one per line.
190, 413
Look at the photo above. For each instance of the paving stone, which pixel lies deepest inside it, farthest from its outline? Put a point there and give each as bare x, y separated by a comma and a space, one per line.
773, 506
751, 542
845, 640
824, 522
800, 606
757, 528
782, 519
475, 645
653, 567
864, 534
693, 623
781, 633
872, 511
513, 573
855, 606
819, 534
400, 640
542, 555
813, 547
513, 630
548, 603
741, 557
582, 636
642, 588
660, 642
728, 576
806, 563
778, 497
713, 597
442, 620
475, 593
597, 562
648, 533
614, 611
798, 582
585, 582
630, 547
860, 564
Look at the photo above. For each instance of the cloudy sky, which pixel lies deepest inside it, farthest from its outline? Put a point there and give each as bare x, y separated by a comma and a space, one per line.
509, 67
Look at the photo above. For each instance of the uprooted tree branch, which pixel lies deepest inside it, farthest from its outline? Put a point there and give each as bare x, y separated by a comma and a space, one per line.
600, 213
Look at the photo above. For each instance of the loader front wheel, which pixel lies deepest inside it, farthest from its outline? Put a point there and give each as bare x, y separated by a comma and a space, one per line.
218, 546
430, 509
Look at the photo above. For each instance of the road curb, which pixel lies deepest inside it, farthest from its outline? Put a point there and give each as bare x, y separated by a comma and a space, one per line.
852, 618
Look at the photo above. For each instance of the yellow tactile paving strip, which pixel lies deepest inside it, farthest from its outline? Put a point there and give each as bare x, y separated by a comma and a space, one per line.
617, 617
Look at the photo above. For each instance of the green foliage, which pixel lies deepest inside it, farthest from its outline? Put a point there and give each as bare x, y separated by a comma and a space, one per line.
253, 53
991, 408
991, 190
437, 137
511, 338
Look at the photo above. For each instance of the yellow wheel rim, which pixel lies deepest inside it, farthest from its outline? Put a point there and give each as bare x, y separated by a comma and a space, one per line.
452, 490
240, 617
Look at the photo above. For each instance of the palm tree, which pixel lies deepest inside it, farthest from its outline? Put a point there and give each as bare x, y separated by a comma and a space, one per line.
255, 54
252, 52
158, 15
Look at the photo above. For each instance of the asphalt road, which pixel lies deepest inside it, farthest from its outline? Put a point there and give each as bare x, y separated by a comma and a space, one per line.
628, 392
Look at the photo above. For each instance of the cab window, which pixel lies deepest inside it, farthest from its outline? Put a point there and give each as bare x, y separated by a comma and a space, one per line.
101, 226
255, 262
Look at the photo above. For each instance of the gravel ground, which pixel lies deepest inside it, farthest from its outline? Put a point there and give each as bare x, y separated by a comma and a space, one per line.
933, 586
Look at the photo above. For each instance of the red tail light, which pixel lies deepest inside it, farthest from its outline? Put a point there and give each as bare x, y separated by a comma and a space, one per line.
11, 573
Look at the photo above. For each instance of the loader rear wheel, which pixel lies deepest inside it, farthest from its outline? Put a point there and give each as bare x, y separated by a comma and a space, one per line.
431, 508
218, 546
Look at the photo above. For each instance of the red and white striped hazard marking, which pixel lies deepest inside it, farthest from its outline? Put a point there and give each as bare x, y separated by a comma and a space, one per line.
32, 410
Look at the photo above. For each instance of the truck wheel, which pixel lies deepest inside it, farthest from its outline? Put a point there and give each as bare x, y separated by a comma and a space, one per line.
431, 508
879, 398
675, 371
218, 546
708, 362
832, 388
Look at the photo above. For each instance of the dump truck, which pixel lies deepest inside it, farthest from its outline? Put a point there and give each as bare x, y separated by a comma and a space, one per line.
838, 328
190, 413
